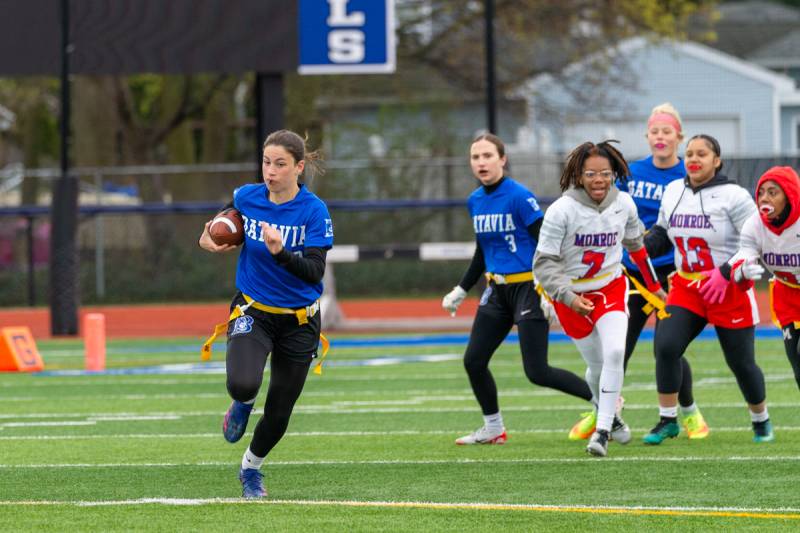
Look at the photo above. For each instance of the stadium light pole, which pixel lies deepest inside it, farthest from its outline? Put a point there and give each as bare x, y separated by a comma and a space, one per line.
269, 109
64, 211
491, 99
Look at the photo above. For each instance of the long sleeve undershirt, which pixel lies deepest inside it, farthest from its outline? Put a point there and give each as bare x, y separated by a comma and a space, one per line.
310, 267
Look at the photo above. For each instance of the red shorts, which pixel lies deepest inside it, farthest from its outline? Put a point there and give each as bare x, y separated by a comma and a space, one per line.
612, 297
785, 303
738, 310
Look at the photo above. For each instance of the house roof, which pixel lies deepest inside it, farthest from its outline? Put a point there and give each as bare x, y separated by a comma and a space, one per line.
780, 53
757, 11
751, 25
780, 82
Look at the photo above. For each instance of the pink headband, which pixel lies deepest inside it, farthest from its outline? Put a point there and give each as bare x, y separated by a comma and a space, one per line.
664, 117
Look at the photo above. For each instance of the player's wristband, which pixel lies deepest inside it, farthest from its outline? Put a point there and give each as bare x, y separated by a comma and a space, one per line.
642, 261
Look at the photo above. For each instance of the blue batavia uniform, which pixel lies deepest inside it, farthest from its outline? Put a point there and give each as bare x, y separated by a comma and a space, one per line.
304, 222
500, 220
646, 185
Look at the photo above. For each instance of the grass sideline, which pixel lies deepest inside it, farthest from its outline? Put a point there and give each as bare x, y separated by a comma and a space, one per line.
370, 448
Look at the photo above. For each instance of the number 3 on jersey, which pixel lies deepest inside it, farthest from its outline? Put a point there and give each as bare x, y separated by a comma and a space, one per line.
512, 244
700, 258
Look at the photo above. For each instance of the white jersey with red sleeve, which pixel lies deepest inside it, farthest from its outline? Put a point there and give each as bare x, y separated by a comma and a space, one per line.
588, 240
704, 224
780, 253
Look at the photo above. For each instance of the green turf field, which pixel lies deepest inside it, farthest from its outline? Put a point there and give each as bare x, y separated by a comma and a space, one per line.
370, 448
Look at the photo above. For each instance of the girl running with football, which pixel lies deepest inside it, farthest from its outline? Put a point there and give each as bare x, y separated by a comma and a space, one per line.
702, 217
773, 236
275, 311
578, 263
506, 219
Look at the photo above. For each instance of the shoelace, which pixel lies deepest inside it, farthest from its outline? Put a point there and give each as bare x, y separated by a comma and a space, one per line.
252, 480
661, 425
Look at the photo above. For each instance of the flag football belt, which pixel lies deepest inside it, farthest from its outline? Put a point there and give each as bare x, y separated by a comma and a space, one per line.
773, 316
653, 301
693, 276
593, 278
302, 314
787, 283
506, 279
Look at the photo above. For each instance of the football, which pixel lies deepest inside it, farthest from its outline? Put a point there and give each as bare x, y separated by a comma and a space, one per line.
227, 228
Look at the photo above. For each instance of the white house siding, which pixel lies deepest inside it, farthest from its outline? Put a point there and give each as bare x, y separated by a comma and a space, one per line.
790, 129
715, 94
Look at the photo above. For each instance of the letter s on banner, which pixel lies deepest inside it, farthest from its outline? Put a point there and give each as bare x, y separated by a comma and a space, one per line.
346, 46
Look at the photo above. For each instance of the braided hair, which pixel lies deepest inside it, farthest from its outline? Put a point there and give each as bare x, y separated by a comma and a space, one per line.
573, 169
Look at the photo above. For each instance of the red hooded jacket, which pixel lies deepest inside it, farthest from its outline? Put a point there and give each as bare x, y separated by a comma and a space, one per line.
789, 182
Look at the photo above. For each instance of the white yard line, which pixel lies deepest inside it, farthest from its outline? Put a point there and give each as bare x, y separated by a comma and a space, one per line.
767, 513
334, 462
327, 409
314, 434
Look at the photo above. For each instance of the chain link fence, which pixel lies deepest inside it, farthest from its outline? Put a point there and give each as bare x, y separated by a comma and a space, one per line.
154, 257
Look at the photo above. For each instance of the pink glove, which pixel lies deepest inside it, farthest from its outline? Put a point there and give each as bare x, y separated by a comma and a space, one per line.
715, 286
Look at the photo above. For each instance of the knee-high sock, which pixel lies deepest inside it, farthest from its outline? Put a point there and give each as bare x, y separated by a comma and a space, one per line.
611, 329
589, 348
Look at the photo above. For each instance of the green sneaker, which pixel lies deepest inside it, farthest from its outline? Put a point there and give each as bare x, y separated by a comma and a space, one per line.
584, 427
695, 425
763, 432
667, 428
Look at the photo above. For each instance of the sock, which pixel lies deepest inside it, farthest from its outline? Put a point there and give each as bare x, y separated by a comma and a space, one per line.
251, 461
493, 422
668, 412
610, 388
763, 416
690, 410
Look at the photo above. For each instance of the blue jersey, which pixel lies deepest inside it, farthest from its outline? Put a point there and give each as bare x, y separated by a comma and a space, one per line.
303, 222
646, 185
500, 220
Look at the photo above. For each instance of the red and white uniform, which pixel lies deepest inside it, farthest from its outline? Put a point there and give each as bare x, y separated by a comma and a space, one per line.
589, 243
705, 225
579, 253
777, 247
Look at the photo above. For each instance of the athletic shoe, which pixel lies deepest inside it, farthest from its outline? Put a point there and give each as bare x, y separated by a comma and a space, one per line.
235, 421
667, 428
763, 432
695, 425
598, 444
484, 436
584, 427
620, 432
252, 483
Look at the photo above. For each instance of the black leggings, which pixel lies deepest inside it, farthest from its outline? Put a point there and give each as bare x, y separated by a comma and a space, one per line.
792, 346
488, 331
636, 322
674, 335
245, 364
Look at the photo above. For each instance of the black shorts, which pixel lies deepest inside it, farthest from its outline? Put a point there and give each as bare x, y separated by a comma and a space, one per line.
280, 335
515, 301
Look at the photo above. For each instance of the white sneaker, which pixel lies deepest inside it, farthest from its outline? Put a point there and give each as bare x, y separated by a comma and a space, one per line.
620, 432
598, 443
484, 436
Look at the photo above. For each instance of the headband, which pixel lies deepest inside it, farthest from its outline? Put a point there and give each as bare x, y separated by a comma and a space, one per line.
664, 117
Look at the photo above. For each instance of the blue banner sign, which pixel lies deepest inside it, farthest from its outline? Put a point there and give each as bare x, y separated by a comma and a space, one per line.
346, 36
